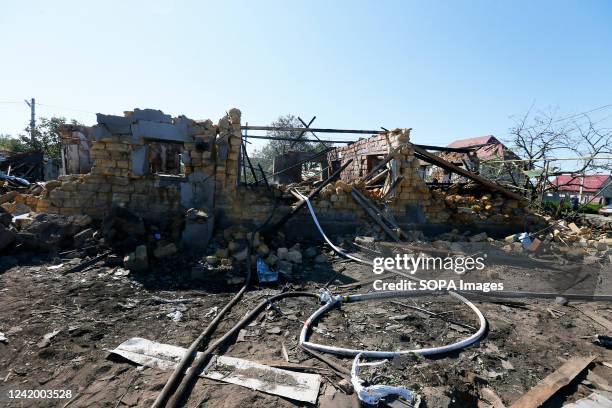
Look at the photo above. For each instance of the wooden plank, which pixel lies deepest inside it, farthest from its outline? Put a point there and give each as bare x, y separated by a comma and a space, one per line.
438, 161
312, 194
375, 217
593, 315
378, 177
491, 397
553, 383
379, 213
392, 186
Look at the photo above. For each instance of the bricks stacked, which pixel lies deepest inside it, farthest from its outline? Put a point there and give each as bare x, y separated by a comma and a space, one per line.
468, 208
111, 158
411, 191
112, 179
228, 145
336, 197
198, 156
250, 206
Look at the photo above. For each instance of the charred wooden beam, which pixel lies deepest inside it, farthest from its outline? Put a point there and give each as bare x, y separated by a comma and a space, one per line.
359, 200
438, 161
312, 194
393, 186
294, 129
378, 177
382, 164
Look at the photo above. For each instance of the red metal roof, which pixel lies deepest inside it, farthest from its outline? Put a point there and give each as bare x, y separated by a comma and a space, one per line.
491, 148
590, 183
474, 141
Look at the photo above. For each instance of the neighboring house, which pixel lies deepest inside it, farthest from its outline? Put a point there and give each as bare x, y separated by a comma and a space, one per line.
584, 188
486, 150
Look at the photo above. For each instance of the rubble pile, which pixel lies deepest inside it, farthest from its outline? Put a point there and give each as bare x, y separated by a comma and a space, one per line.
402, 187
23, 201
471, 205
337, 196
228, 252
588, 244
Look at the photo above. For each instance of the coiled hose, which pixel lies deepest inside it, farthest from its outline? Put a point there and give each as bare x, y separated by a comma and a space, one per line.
373, 394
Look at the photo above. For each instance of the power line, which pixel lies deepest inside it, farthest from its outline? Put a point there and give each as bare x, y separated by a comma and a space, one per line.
66, 108
569, 117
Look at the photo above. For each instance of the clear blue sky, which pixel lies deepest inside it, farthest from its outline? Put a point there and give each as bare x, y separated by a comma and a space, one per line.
448, 69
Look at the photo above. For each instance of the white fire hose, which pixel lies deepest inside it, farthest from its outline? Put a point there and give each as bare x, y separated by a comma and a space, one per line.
373, 394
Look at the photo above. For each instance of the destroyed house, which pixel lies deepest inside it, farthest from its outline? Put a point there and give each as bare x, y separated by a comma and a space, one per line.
482, 155
158, 167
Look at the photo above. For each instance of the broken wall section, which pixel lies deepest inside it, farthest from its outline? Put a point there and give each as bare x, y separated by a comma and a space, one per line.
76, 141
404, 191
123, 170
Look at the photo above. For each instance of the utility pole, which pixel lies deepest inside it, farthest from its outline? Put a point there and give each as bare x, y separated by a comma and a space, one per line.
32, 105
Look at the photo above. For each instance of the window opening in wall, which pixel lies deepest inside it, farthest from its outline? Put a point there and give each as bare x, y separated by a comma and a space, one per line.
165, 158
371, 162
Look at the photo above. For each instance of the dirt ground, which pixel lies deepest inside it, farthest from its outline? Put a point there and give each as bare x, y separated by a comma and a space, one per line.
93, 311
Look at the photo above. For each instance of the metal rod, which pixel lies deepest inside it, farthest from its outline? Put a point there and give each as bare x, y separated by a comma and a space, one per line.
303, 132
321, 153
292, 129
288, 139
250, 165
447, 149
313, 193
313, 133
264, 176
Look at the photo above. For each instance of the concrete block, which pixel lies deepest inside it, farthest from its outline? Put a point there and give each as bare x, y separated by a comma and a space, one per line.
100, 133
116, 125
197, 234
140, 163
152, 115
167, 132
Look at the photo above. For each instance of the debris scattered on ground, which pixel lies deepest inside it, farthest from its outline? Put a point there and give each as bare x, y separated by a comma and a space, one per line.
144, 244
46, 340
288, 384
553, 383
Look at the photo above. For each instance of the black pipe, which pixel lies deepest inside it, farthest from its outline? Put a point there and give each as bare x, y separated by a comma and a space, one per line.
190, 379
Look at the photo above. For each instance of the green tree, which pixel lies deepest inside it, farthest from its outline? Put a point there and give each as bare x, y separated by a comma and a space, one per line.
46, 136
265, 155
12, 144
